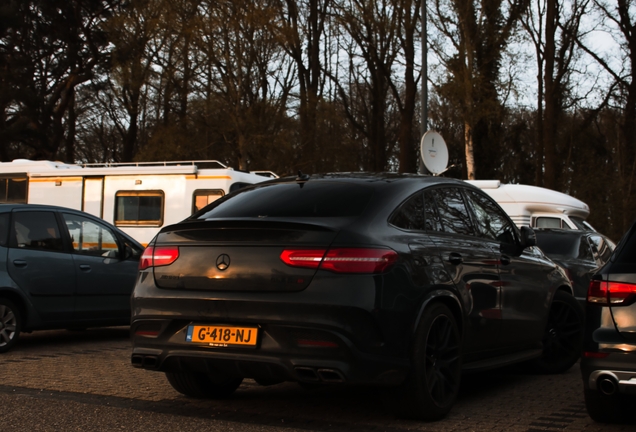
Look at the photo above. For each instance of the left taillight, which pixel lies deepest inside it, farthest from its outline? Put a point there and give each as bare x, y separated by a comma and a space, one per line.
342, 260
158, 256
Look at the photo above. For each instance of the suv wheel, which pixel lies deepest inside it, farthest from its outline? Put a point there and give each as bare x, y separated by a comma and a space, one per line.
606, 409
431, 388
563, 337
10, 324
201, 386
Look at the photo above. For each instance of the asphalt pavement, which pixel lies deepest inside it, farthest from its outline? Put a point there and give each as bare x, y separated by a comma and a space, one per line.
68, 381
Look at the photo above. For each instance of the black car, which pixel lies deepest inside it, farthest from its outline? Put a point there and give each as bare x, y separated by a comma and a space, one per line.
608, 364
393, 280
580, 253
62, 268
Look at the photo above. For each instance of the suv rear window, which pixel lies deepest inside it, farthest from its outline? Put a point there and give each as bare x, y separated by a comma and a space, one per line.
309, 199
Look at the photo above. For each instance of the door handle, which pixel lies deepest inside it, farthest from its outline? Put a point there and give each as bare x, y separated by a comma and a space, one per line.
505, 260
85, 267
455, 258
19, 263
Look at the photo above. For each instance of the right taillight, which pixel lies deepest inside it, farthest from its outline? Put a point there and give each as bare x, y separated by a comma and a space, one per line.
158, 256
610, 293
342, 260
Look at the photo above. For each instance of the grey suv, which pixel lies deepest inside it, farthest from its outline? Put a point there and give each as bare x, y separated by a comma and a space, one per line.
62, 268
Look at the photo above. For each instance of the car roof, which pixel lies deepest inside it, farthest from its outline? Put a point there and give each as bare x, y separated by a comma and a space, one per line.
12, 206
377, 180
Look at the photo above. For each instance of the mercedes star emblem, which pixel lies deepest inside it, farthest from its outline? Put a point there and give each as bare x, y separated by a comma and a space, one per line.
223, 262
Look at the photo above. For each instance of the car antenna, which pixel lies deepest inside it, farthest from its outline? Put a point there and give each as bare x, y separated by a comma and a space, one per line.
301, 176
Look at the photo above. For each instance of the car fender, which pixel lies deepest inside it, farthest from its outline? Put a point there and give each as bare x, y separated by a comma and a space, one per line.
10, 291
447, 297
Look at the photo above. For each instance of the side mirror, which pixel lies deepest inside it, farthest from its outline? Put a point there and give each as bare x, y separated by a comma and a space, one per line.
128, 252
528, 237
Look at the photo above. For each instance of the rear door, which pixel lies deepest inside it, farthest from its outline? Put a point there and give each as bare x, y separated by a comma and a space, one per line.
525, 284
470, 262
40, 263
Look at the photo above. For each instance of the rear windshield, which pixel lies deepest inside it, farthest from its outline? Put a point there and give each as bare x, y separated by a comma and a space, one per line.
559, 244
310, 199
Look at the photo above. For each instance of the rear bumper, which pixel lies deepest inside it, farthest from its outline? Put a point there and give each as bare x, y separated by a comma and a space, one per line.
302, 336
619, 368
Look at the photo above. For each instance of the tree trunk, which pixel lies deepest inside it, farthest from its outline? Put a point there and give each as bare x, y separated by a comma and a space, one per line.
470, 155
551, 97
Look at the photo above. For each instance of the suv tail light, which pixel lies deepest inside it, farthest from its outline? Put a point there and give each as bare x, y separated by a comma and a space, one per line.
610, 293
158, 256
341, 260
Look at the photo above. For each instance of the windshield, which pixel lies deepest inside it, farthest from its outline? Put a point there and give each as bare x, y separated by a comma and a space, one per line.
581, 224
297, 200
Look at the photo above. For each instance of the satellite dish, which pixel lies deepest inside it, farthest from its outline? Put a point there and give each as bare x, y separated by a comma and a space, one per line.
434, 152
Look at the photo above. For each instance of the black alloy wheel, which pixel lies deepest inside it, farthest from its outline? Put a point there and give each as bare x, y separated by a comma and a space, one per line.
432, 386
563, 337
10, 324
202, 386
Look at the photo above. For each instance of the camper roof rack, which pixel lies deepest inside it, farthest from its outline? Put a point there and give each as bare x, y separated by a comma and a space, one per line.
201, 164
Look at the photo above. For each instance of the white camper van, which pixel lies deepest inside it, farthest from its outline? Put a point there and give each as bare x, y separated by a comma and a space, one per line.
536, 206
139, 198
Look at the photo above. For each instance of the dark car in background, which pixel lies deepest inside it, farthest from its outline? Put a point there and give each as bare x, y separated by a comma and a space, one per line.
580, 253
62, 268
608, 364
392, 280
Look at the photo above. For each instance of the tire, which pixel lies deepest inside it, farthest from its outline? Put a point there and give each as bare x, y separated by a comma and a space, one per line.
202, 386
10, 324
563, 336
606, 409
431, 388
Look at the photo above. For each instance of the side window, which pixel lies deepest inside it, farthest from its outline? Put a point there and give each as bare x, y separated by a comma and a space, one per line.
90, 237
410, 215
585, 253
603, 248
431, 215
13, 189
452, 211
548, 222
139, 208
36, 230
4, 228
493, 224
203, 197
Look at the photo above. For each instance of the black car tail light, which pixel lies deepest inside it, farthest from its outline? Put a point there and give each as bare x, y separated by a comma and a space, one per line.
307, 258
610, 293
594, 354
158, 256
342, 260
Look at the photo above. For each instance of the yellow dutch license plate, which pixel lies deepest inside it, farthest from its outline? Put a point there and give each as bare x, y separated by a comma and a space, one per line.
222, 336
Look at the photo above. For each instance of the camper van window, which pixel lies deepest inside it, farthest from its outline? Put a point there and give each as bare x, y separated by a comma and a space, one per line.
203, 197
139, 208
548, 222
90, 237
13, 190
